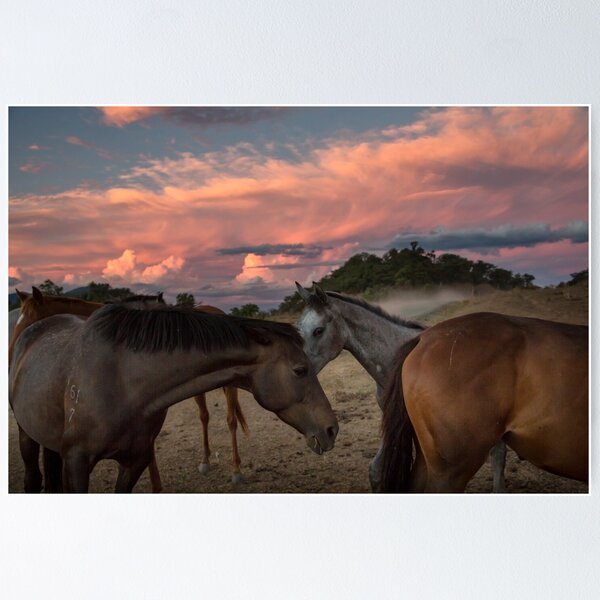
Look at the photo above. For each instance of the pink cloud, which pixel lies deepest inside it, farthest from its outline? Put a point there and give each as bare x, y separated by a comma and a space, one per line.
75, 141
120, 116
71, 139
122, 266
33, 167
460, 168
126, 267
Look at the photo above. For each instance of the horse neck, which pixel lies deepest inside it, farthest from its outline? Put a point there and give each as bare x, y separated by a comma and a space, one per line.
373, 339
164, 380
82, 308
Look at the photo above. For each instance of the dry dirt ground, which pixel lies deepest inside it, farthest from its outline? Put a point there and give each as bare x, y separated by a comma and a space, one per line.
275, 457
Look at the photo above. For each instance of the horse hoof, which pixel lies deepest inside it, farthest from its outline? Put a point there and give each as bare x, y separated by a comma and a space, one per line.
237, 479
204, 468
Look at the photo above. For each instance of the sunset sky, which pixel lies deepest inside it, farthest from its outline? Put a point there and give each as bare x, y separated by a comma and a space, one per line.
234, 204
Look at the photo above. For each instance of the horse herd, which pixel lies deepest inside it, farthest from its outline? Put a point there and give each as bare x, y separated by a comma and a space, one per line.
91, 381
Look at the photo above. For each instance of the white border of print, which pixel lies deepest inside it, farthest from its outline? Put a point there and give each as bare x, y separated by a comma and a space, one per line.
338, 52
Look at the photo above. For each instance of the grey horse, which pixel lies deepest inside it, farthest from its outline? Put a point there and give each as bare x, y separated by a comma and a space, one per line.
332, 322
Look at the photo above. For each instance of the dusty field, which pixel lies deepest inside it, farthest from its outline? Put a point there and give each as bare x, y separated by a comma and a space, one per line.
275, 457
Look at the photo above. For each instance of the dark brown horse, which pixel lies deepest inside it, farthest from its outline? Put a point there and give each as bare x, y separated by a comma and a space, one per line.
100, 388
469, 382
36, 306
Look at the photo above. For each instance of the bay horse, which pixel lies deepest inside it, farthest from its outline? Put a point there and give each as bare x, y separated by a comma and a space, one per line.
332, 322
468, 382
100, 388
36, 306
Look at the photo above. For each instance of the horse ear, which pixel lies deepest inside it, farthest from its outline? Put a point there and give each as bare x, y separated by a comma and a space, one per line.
22, 295
320, 294
37, 295
304, 294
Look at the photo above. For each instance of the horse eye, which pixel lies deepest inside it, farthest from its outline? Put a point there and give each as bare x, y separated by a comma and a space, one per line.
318, 331
301, 371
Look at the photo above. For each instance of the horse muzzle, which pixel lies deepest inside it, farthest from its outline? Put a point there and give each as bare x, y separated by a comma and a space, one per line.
322, 441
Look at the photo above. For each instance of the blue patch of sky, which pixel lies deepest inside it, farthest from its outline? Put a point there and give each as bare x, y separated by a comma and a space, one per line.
112, 151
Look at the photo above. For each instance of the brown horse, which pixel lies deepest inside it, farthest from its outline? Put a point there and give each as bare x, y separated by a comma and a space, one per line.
100, 388
465, 384
36, 306
234, 416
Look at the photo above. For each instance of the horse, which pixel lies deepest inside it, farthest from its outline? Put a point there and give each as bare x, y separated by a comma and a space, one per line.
13, 317
466, 383
99, 388
332, 322
36, 306
234, 416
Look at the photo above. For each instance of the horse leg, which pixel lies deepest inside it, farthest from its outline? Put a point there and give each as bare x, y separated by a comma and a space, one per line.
232, 423
449, 460
76, 472
155, 480
130, 473
498, 459
452, 477
52, 471
30, 452
204, 417
375, 470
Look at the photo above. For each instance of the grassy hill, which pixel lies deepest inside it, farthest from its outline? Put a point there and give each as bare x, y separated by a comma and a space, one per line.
569, 304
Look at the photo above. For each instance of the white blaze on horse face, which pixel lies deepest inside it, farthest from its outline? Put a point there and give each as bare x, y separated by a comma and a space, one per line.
327, 344
21, 317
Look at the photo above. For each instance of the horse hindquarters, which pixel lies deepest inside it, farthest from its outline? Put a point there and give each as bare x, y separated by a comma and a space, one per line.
457, 417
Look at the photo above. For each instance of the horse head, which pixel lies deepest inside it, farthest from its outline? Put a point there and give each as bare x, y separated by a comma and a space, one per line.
321, 326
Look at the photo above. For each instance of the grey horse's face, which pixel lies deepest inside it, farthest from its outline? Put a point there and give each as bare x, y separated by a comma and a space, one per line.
323, 332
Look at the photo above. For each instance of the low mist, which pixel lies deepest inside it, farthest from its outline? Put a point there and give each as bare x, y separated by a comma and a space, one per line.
411, 304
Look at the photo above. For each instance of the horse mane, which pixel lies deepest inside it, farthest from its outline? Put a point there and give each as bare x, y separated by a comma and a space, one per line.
65, 299
377, 310
138, 298
165, 328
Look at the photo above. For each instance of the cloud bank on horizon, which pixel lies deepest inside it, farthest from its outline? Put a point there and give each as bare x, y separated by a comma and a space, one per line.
233, 204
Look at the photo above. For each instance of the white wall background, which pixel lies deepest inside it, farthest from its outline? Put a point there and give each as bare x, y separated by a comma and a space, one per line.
334, 52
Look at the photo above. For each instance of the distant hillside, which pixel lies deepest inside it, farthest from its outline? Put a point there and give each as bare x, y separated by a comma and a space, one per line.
568, 304
373, 277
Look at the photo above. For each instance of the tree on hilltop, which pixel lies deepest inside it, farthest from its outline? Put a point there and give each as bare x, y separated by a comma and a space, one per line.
185, 299
50, 288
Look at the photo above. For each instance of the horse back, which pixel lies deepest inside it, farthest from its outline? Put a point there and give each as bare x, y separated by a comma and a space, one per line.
517, 351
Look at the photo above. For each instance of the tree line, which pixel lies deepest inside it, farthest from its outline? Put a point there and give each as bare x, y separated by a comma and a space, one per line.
364, 273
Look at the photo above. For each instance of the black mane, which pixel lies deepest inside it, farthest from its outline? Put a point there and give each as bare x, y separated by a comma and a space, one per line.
138, 298
377, 310
164, 328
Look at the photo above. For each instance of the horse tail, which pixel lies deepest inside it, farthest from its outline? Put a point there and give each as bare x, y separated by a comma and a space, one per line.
397, 430
240, 416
